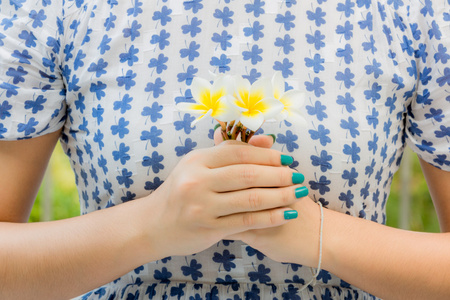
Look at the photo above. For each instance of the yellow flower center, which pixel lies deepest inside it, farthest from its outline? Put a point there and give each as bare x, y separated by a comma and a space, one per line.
208, 101
252, 102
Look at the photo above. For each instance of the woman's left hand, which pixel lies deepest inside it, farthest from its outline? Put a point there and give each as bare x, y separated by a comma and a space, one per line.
294, 242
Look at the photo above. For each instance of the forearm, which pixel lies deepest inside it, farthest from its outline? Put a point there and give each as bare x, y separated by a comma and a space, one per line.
63, 259
387, 262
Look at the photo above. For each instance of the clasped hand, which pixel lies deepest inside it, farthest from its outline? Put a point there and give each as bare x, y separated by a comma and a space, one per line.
219, 192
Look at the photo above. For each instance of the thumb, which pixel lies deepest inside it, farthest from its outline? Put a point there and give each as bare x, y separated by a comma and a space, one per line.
262, 141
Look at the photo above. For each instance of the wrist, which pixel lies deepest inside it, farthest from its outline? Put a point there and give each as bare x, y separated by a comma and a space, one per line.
141, 230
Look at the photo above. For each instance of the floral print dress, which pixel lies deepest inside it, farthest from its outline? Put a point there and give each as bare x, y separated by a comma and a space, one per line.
110, 72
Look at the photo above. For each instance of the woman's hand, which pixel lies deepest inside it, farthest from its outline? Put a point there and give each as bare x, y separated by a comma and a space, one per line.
217, 192
294, 242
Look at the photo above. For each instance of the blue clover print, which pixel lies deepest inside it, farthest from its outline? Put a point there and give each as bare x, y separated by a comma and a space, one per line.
122, 154
260, 274
163, 16
153, 112
289, 140
256, 7
224, 16
188, 146
130, 56
321, 185
28, 127
153, 162
192, 270
193, 28
121, 128
125, 178
225, 259
254, 30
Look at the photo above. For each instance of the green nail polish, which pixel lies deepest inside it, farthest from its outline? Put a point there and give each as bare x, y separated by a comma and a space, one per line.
301, 192
217, 126
273, 136
297, 178
286, 160
290, 214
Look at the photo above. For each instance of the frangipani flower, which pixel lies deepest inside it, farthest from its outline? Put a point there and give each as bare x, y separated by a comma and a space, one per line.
292, 100
211, 100
255, 102
241, 107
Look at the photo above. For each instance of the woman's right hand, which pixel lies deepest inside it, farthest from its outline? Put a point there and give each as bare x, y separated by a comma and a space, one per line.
216, 192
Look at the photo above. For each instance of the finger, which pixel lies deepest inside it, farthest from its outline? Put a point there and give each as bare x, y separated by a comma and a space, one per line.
218, 138
236, 223
242, 153
257, 199
238, 177
263, 141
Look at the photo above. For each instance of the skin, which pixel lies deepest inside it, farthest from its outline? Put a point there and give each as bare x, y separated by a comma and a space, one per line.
385, 261
66, 258
389, 263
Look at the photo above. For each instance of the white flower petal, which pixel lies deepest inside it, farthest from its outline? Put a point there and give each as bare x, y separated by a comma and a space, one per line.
238, 104
199, 87
278, 84
225, 83
262, 88
252, 122
208, 113
293, 98
242, 87
226, 110
295, 117
282, 116
270, 107
191, 107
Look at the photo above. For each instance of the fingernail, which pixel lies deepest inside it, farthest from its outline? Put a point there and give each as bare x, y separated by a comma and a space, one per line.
297, 178
217, 126
290, 214
301, 192
286, 160
273, 136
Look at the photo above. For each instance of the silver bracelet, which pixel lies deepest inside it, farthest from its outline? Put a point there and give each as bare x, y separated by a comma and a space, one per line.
319, 265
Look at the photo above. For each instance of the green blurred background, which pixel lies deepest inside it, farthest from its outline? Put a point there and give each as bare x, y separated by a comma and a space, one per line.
64, 204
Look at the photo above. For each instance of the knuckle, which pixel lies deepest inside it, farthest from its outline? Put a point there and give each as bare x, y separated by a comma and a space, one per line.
193, 156
248, 219
254, 200
283, 177
188, 184
248, 175
195, 212
243, 155
272, 218
286, 197
274, 158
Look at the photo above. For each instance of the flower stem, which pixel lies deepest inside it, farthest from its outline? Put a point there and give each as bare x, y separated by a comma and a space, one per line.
230, 125
223, 126
250, 135
236, 130
244, 134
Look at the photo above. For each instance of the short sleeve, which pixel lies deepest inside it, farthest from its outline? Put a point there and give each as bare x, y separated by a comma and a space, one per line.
32, 93
428, 118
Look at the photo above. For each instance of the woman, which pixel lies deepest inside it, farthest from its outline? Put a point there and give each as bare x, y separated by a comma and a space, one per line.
104, 77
